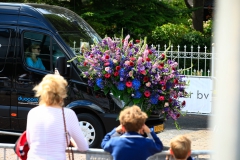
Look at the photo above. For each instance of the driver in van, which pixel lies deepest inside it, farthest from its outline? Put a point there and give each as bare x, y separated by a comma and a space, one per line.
31, 57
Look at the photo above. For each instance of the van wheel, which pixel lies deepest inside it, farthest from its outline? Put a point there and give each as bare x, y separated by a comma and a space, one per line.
92, 129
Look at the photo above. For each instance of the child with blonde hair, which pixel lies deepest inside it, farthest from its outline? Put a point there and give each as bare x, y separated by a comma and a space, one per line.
180, 148
126, 141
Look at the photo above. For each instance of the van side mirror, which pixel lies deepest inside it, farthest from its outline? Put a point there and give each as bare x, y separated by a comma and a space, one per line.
61, 65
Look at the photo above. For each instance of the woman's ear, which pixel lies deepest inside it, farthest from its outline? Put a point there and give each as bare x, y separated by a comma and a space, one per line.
189, 153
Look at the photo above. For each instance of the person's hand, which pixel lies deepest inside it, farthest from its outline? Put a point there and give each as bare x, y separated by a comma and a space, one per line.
72, 143
120, 129
144, 129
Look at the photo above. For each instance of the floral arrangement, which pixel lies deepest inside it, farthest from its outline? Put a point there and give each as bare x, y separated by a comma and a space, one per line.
135, 73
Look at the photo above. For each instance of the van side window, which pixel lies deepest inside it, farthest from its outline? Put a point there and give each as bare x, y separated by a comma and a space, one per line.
7, 41
56, 52
37, 50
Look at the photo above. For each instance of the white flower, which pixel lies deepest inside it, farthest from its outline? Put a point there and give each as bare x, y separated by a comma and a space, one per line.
148, 84
107, 69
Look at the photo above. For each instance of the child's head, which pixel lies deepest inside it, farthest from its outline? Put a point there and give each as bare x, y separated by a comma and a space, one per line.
180, 147
132, 118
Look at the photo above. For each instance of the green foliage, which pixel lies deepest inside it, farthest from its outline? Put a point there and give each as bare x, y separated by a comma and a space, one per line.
180, 34
159, 21
169, 32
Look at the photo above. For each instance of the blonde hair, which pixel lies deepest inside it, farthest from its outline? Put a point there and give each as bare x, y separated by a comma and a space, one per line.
132, 118
180, 146
51, 90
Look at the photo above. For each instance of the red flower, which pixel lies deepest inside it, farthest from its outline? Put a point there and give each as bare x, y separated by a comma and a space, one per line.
107, 57
138, 41
149, 51
116, 74
143, 72
145, 79
161, 65
131, 63
129, 84
183, 103
164, 87
148, 59
107, 75
178, 115
175, 96
85, 63
175, 81
130, 45
161, 98
91, 56
147, 94
118, 68
170, 100
163, 55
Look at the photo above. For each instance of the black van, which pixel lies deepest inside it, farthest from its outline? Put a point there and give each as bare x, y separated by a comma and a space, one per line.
58, 34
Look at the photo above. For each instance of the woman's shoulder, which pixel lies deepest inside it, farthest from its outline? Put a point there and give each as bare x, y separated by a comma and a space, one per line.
68, 110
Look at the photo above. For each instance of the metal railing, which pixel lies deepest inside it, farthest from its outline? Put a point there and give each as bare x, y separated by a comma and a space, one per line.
100, 154
92, 153
202, 61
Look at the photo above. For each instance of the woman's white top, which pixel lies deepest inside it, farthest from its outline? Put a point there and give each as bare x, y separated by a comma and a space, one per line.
45, 133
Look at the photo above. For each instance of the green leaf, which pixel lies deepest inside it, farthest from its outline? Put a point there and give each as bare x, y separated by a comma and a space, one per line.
136, 101
96, 88
126, 98
106, 90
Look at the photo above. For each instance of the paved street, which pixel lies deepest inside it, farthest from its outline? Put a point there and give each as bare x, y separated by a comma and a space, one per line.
193, 126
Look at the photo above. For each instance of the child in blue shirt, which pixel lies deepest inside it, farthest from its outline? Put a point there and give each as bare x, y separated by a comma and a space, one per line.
126, 141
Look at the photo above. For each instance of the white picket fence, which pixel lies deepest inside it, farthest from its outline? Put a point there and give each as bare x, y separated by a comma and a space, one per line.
202, 61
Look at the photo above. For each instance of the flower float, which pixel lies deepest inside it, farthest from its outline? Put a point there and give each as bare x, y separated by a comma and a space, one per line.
136, 74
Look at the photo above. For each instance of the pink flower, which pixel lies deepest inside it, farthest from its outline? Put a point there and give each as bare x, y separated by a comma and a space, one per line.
143, 72
140, 60
130, 73
127, 63
116, 74
148, 84
161, 98
147, 94
107, 75
129, 84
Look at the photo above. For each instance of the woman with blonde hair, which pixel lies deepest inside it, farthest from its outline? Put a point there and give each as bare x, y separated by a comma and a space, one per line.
45, 123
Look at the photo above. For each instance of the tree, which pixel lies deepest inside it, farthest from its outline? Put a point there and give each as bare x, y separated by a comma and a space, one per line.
197, 14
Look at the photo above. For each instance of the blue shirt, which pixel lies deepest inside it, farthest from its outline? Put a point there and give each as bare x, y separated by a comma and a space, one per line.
131, 145
38, 64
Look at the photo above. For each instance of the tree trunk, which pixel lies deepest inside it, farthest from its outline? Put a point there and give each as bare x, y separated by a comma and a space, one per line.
197, 15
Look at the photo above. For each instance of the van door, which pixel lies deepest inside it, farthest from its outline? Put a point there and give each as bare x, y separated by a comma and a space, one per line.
7, 40
35, 60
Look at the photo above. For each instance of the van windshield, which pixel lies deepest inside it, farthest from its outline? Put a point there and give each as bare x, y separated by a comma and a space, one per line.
71, 27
